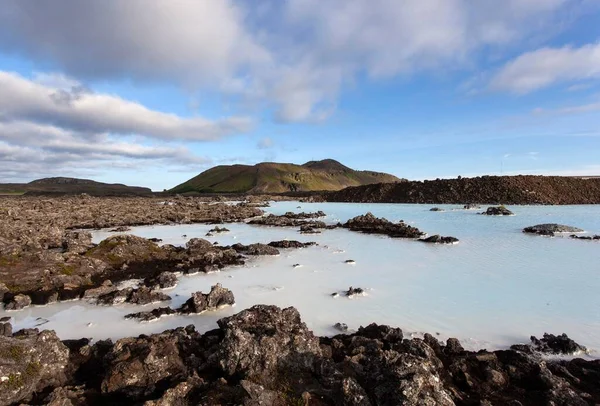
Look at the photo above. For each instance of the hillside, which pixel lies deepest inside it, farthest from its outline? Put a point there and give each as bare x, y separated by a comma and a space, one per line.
524, 189
67, 186
270, 177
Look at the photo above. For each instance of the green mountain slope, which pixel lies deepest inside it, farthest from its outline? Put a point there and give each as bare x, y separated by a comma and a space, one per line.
270, 177
68, 186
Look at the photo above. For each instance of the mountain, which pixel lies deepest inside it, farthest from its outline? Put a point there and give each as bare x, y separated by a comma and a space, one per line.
270, 177
522, 189
67, 186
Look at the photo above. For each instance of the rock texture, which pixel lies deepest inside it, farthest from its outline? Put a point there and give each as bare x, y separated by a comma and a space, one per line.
497, 211
267, 356
437, 239
524, 189
370, 224
550, 229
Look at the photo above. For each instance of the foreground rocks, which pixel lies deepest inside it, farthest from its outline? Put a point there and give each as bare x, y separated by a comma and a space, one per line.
550, 229
266, 355
370, 224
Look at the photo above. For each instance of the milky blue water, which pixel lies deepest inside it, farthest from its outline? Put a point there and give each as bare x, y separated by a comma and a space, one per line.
496, 287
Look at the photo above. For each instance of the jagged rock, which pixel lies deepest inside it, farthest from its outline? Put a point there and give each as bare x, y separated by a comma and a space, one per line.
550, 229
437, 239
155, 240
141, 296
200, 302
77, 241
290, 219
497, 211
177, 396
370, 224
351, 292
341, 326
290, 244
106, 288
585, 237
218, 229
551, 344
5, 329
153, 314
67, 396
18, 302
163, 280
255, 249
30, 361
309, 229
134, 367
263, 340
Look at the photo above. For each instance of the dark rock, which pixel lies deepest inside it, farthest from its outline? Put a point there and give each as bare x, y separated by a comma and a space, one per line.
350, 261
153, 314
6, 329
550, 229
498, 211
262, 341
136, 367
437, 239
155, 240
145, 295
290, 244
559, 344
370, 224
290, 219
255, 249
18, 302
218, 229
351, 292
200, 302
106, 288
163, 280
30, 361
436, 209
586, 237
309, 229
141, 296
341, 326
471, 206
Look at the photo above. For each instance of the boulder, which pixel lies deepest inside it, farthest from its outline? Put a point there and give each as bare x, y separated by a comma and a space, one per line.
255, 249
550, 229
437, 239
6, 329
200, 302
497, 211
18, 302
263, 341
30, 362
290, 244
370, 224
163, 280
553, 344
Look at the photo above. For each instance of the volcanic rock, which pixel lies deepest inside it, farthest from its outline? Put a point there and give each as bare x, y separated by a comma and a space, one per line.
550, 229
290, 244
200, 302
163, 280
498, 211
370, 224
255, 249
18, 302
437, 239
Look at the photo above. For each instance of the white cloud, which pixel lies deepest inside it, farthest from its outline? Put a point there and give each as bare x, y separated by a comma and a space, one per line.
81, 110
548, 66
294, 56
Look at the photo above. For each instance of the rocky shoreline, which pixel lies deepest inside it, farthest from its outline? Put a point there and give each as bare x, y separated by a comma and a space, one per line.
267, 356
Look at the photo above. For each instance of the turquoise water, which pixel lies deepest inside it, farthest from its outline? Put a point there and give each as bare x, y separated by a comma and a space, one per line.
496, 287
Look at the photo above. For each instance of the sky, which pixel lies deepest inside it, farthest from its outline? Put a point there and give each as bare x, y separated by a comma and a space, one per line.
151, 93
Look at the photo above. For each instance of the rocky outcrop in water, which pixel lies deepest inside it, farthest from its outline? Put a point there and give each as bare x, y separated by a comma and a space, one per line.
255, 249
267, 354
198, 303
551, 344
497, 211
550, 229
290, 219
140, 296
437, 239
285, 244
370, 224
585, 237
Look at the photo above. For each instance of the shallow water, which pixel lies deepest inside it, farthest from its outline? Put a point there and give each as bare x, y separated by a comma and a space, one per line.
496, 287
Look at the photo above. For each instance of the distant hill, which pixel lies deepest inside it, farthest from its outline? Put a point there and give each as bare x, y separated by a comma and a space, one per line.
67, 186
523, 189
270, 177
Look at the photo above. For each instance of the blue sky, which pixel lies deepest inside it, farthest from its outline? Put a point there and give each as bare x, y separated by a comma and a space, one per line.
151, 92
